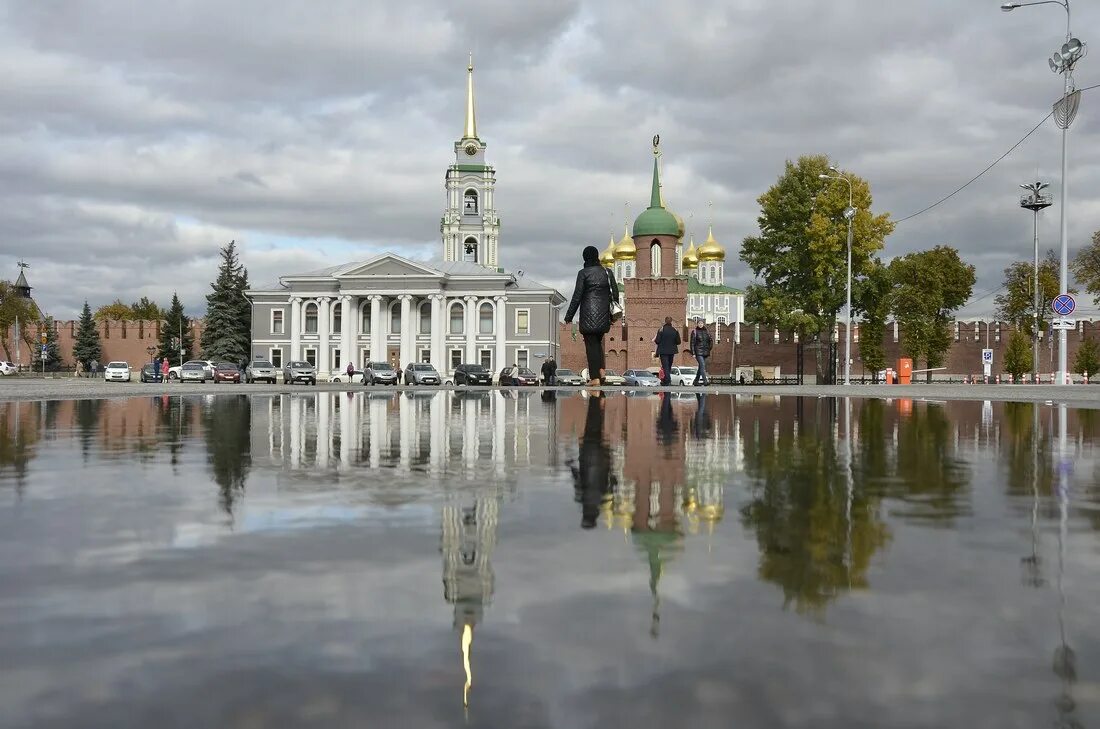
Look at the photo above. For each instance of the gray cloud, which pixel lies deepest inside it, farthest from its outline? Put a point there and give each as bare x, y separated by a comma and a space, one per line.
138, 138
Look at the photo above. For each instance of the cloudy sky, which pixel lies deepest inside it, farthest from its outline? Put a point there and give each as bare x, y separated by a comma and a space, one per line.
138, 137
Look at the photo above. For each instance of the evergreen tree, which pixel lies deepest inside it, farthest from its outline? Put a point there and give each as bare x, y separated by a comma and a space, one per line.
1088, 357
174, 323
87, 345
227, 336
1018, 355
53, 354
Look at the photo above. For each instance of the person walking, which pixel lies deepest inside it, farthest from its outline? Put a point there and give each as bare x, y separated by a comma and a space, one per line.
79, 371
546, 378
156, 369
668, 344
351, 372
701, 343
94, 364
164, 370
593, 294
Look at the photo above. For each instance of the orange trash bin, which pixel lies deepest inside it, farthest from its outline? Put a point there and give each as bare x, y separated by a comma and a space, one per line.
905, 371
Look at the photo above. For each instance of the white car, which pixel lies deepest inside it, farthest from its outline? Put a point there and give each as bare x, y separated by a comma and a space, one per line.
207, 366
116, 372
682, 375
342, 376
7, 368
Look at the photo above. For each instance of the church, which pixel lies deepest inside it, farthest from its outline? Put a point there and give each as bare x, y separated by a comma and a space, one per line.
462, 308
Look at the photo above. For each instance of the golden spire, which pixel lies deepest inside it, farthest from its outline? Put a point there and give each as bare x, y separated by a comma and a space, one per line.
467, 640
470, 132
711, 250
626, 250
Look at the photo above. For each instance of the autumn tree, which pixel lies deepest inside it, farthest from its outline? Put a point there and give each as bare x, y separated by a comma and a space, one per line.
115, 311
1017, 304
1017, 355
146, 310
800, 254
929, 286
1086, 267
16, 307
1088, 357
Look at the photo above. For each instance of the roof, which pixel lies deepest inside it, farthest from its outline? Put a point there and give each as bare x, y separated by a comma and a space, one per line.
21, 282
695, 287
655, 220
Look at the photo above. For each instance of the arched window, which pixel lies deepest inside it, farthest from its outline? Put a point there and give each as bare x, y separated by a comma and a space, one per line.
426, 318
457, 318
469, 250
655, 258
337, 317
485, 318
364, 319
395, 318
311, 318
469, 203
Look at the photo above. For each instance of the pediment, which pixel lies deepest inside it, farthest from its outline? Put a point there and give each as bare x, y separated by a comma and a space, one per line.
387, 265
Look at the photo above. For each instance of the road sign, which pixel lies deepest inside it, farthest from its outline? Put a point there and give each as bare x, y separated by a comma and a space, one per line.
1063, 304
1063, 324
43, 349
987, 356
43, 355
44, 340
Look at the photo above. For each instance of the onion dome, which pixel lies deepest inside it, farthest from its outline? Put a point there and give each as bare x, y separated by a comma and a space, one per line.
655, 220
690, 260
607, 258
679, 224
711, 250
626, 250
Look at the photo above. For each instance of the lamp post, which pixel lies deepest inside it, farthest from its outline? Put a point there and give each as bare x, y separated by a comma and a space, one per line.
1065, 110
1035, 201
849, 213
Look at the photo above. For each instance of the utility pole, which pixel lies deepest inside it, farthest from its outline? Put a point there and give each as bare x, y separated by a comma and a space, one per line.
1035, 201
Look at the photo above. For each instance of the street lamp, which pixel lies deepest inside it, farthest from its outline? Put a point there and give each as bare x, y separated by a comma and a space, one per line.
1065, 110
1035, 201
849, 213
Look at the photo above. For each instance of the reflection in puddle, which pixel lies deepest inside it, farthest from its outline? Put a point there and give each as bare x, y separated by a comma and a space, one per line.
630, 559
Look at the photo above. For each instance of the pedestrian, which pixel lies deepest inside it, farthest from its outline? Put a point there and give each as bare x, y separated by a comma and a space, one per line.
156, 369
79, 371
546, 378
667, 343
553, 371
594, 295
95, 367
351, 371
701, 344
164, 370
741, 378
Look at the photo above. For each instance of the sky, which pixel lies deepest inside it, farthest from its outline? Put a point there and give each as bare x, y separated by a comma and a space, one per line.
137, 138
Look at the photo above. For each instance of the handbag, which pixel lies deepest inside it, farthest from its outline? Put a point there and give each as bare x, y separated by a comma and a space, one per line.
615, 308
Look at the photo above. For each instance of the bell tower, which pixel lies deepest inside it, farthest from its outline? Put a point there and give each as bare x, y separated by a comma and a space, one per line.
470, 228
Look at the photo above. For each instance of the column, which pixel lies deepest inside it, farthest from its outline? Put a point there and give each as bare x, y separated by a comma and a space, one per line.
347, 335
436, 441
499, 428
295, 404
471, 329
406, 355
438, 324
295, 325
500, 325
377, 330
324, 314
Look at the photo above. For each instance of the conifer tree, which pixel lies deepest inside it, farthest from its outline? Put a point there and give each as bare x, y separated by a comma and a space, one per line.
87, 345
227, 334
174, 323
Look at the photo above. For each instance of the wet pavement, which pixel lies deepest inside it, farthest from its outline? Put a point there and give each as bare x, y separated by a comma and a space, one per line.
532, 559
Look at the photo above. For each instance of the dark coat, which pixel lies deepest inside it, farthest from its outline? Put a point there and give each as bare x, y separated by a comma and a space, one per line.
593, 293
668, 340
701, 342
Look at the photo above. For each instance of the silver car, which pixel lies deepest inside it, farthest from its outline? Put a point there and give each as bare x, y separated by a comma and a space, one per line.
379, 373
641, 378
258, 370
192, 372
299, 371
563, 376
421, 373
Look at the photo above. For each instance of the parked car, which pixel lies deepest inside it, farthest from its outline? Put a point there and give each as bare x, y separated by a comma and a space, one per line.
299, 371
260, 369
379, 373
149, 373
517, 376
563, 376
472, 374
207, 368
641, 378
116, 372
611, 377
226, 372
421, 373
342, 376
192, 372
682, 375
7, 368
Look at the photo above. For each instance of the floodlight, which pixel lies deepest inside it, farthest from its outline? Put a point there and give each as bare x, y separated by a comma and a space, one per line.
1050, 62
822, 176
1073, 46
1009, 7
849, 213
834, 169
1064, 52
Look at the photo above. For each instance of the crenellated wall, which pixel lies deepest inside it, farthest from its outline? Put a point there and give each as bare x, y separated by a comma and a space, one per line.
120, 340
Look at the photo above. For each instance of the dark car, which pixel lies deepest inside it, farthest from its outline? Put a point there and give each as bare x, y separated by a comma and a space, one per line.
472, 374
226, 372
517, 376
421, 373
150, 373
379, 373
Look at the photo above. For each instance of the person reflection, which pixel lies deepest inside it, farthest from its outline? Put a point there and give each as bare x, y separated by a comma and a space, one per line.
592, 477
700, 425
666, 422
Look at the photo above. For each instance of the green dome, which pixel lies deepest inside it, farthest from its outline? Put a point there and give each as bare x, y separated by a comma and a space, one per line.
656, 221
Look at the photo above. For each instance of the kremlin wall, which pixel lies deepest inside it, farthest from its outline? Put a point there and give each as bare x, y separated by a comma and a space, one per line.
125, 341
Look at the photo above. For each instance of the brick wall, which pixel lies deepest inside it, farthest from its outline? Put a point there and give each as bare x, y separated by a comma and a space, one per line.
120, 340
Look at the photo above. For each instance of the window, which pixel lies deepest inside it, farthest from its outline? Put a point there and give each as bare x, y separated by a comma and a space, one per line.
276, 321
426, 318
311, 357
458, 324
485, 319
311, 318
469, 202
337, 317
522, 357
395, 318
523, 321
485, 359
276, 356
469, 250
655, 258
425, 356
336, 359
456, 358
364, 319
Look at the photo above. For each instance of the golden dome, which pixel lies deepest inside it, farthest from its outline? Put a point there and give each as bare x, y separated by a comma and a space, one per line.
711, 250
626, 250
679, 225
690, 259
607, 258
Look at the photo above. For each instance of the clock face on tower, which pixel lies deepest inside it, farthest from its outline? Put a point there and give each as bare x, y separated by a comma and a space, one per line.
471, 149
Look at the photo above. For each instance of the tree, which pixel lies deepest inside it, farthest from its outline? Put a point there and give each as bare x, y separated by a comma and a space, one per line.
15, 307
871, 302
146, 310
87, 346
175, 323
1016, 304
115, 311
1018, 355
1088, 357
801, 251
929, 286
1086, 267
227, 335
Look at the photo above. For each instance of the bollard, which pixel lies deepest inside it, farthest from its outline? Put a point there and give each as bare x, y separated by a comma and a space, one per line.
1086, 378
998, 381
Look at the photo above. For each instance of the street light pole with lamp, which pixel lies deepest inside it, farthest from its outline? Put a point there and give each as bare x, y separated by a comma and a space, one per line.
1065, 110
849, 213
1035, 202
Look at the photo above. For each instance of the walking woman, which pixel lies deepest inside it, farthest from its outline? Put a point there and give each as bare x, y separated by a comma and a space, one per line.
593, 295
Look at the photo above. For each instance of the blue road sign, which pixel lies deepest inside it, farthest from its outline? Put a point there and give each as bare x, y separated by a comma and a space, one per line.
43, 349
1063, 304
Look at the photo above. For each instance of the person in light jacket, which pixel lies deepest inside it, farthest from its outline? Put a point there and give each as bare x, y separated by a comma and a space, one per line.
667, 343
592, 296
